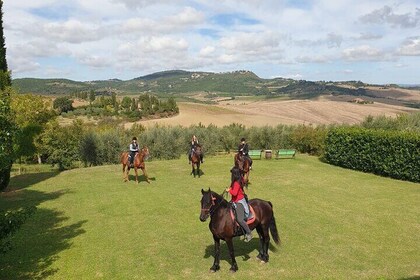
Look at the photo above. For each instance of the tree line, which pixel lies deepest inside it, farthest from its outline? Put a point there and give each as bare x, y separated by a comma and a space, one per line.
132, 108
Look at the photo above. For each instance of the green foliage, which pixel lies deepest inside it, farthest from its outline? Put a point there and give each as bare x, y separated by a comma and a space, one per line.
7, 132
24, 145
63, 104
89, 149
403, 122
61, 144
309, 139
110, 147
10, 222
389, 153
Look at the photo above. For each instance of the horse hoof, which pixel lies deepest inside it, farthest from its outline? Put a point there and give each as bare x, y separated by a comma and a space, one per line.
233, 270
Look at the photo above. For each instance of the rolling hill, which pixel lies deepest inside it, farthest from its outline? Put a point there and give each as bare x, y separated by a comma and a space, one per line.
185, 84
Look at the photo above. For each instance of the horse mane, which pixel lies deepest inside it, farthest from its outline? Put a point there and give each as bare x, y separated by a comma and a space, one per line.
219, 199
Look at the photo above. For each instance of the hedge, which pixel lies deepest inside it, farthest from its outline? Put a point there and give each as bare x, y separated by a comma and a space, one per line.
393, 154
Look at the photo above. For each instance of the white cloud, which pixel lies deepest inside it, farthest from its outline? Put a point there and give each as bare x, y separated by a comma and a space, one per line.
126, 36
410, 47
207, 51
363, 53
386, 15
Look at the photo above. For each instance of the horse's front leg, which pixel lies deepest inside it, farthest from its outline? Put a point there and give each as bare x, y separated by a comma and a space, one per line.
145, 175
234, 266
216, 263
137, 174
192, 169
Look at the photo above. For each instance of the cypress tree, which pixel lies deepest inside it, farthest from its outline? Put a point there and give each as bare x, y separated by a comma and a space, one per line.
6, 122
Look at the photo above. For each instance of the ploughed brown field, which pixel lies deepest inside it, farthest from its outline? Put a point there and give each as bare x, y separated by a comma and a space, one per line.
323, 110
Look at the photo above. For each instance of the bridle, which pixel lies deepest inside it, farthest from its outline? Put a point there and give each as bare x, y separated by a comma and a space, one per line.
213, 205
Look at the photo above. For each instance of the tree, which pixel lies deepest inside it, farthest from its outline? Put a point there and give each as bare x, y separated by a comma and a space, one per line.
63, 104
31, 113
7, 128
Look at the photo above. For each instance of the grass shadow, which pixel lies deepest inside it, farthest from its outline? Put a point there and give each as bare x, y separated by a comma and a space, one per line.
23, 181
37, 245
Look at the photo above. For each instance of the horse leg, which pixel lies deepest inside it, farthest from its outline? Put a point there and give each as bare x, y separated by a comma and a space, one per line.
198, 169
145, 175
137, 174
261, 236
234, 266
216, 263
124, 177
193, 169
266, 242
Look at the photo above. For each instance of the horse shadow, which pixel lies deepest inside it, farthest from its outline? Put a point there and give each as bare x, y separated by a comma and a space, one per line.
242, 249
200, 173
141, 178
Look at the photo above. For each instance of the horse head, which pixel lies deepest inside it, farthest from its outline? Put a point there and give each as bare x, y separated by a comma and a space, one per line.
145, 152
208, 201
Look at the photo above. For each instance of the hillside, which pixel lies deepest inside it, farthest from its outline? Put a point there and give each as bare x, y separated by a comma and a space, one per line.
186, 85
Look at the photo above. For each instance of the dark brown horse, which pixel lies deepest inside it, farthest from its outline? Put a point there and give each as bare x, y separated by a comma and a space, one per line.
223, 227
195, 160
242, 163
138, 162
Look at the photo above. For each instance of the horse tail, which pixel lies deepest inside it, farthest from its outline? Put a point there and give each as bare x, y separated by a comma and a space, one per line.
273, 227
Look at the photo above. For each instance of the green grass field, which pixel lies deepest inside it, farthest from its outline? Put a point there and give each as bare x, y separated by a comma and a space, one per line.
334, 224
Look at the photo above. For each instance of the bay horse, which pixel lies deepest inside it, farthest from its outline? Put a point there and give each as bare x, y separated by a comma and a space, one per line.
241, 162
138, 162
195, 160
223, 227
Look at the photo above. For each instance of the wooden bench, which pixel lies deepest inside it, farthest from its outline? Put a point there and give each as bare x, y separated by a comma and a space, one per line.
255, 154
285, 153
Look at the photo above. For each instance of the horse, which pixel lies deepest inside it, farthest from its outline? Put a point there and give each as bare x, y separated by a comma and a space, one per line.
223, 227
195, 160
138, 162
241, 162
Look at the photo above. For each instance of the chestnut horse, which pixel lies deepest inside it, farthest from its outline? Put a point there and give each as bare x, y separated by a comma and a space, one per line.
138, 162
242, 163
223, 227
195, 160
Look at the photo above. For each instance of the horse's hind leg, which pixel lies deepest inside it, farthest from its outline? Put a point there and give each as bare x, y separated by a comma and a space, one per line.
125, 176
264, 242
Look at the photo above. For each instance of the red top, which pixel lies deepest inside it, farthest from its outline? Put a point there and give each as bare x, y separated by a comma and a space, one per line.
236, 191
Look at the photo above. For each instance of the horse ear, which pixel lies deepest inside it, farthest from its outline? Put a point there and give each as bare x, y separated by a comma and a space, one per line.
202, 191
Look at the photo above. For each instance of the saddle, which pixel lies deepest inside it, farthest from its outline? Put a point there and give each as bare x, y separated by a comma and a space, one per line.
250, 219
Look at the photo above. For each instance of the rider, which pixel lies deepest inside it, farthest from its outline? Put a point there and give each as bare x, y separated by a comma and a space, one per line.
243, 148
194, 144
134, 148
239, 201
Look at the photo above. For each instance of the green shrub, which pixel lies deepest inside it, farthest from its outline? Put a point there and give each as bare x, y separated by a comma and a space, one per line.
309, 139
10, 222
389, 153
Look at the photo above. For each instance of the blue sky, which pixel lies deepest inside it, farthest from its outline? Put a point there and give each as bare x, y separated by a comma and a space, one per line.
376, 41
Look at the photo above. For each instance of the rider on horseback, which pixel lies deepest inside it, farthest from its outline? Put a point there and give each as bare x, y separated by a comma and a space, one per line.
243, 149
239, 201
194, 144
134, 148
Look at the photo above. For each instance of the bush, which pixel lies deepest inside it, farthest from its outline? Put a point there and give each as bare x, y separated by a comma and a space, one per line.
388, 153
89, 149
309, 139
10, 222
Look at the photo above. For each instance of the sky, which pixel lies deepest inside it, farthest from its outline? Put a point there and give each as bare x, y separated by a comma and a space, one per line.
375, 41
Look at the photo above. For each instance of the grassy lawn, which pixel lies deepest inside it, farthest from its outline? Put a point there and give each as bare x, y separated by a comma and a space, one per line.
334, 224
